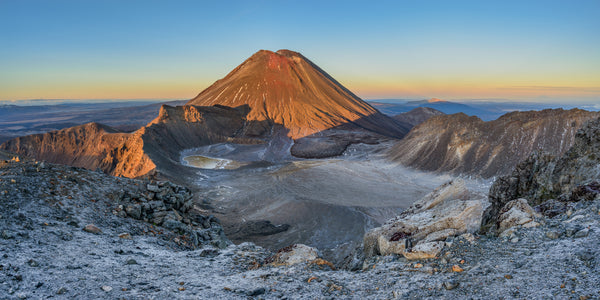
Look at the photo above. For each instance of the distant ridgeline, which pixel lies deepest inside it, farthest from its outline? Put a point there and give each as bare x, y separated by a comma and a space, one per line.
467, 145
486, 110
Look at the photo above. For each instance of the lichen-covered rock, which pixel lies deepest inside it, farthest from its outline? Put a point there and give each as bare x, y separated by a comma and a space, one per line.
449, 210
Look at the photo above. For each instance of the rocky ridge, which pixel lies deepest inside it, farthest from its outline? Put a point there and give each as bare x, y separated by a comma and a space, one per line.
467, 145
157, 203
156, 146
550, 182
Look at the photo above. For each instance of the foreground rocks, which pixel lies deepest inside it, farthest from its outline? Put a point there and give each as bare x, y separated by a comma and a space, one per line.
169, 205
298, 254
420, 231
161, 205
44, 253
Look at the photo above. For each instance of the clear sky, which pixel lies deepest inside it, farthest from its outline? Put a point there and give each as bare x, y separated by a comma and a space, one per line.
83, 49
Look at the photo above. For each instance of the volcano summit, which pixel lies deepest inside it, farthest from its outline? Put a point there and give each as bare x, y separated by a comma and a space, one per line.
286, 88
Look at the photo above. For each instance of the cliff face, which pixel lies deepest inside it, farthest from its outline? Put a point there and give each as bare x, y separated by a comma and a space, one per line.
81, 146
139, 153
286, 88
461, 144
546, 178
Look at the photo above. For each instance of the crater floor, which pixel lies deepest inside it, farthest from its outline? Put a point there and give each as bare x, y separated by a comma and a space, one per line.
327, 203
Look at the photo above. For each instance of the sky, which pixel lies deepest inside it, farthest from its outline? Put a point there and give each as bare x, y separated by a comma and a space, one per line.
547, 51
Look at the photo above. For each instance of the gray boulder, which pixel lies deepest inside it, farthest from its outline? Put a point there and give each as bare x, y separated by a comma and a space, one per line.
516, 213
294, 254
449, 210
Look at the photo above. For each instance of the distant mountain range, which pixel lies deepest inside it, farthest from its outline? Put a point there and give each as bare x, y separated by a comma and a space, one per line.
485, 110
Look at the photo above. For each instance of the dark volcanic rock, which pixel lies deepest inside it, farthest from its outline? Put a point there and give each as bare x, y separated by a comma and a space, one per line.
331, 143
551, 208
169, 205
573, 176
462, 144
256, 228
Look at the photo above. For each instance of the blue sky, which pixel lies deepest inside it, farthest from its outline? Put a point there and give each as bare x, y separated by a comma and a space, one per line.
524, 50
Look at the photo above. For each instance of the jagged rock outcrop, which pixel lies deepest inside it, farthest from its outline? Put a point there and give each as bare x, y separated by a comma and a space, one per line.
85, 145
417, 116
516, 213
420, 231
136, 154
461, 144
286, 88
546, 180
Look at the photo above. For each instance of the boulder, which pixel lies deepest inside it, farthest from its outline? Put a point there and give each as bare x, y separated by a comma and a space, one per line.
424, 250
449, 210
91, 228
551, 208
514, 213
134, 211
294, 254
153, 188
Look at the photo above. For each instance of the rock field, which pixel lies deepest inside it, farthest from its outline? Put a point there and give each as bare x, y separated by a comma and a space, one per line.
69, 233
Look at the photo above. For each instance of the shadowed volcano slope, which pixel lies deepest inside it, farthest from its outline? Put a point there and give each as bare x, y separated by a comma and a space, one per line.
285, 88
461, 144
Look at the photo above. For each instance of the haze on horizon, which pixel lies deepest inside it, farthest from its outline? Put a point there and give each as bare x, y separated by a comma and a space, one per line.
532, 51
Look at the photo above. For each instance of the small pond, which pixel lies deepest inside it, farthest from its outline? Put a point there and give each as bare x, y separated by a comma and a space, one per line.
204, 162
